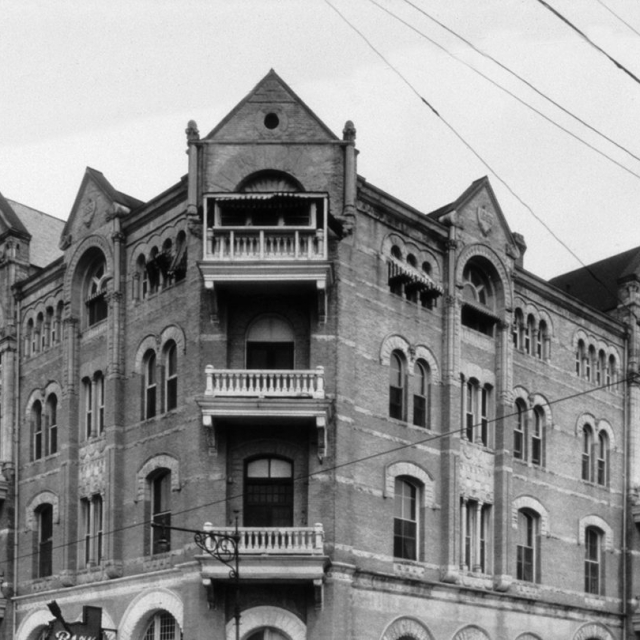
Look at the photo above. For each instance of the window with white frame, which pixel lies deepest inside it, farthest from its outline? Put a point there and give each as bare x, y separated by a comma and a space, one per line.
406, 519
162, 626
587, 452
520, 431
160, 505
528, 546
87, 405
171, 376
44, 560
37, 432
98, 381
96, 293
476, 531
51, 435
397, 385
92, 527
421, 394
476, 412
149, 385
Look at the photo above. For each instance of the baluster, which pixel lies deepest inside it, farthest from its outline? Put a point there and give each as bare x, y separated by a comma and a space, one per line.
297, 377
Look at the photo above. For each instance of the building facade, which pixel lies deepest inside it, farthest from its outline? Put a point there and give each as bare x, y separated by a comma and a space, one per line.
410, 435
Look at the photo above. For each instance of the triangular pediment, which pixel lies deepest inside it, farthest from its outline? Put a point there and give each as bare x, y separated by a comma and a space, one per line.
96, 200
271, 111
9, 220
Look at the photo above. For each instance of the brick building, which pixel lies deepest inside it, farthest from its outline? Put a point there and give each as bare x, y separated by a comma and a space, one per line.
416, 437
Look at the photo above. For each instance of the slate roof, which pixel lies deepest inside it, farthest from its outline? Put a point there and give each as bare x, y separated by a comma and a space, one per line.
45, 233
597, 283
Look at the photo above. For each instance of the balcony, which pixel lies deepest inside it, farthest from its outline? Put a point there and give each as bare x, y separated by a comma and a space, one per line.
282, 554
272, 239
243, 395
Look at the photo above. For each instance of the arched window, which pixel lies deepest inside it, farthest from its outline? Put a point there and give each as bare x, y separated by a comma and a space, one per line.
171, 376
162, 627
268, 633
542, 341
518, 330
28, 337
405, 521
397, 379
153, 272
591, 359
40, 333
612, 373
179, 266
36, 430
35, 335
601, 365
581, 355
56, 329
602, 454
44, 519
160, 490
530, 338
587, 452
52, 424
98, 382
528, 546
270, 344
476, 544
149, 382
476, 412
520, 431
268, 493
96, 293
421, 394
593, 561
537, 437
143, 278
478, 310
48, 329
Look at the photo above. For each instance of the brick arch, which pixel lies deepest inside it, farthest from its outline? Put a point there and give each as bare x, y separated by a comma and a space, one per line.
44, 497
424, 353
391, 240
471, 632
586, 418
406, 627
266, 616
150, 342
538, 401
482, 251
528, 636
412, 470
175, 333
394, 342
580, 334
603, 425
143, 606
161, 461
33, 624
528, 502
599, 523
593, 630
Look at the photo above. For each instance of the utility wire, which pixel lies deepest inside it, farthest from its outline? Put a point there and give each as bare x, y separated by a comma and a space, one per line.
475, 153
593, 44
514, 74
335, 467
513, 95
624, 22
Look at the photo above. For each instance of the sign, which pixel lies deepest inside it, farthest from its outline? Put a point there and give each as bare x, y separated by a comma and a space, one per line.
89, 629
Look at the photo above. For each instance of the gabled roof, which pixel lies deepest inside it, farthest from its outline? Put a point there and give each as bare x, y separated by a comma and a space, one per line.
597, 284
271, 89
8, 218
43, 228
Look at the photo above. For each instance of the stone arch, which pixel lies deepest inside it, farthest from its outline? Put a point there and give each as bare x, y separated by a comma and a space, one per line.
600, 523
546, 317
528, 636
603, 425
406, 627
161, 461
36, 394
529, 502
81, 259
412, 470
424, 353
394, 342
267, 616
44, 497
143, 606
580, 334
585, 418
522, 394
275, 179
150, 342
32, 623
175, 333
483, 376
52, 387
538, 401
471, 632
482, 251
391, 240
593, 630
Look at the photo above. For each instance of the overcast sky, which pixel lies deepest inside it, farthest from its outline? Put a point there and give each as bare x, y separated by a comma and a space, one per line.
112, 85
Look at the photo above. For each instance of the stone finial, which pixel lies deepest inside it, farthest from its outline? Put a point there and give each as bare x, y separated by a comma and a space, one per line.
192, 131
349, 131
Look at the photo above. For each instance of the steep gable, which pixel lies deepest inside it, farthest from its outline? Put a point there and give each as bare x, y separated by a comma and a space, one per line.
9, 220
96, 198
271, 109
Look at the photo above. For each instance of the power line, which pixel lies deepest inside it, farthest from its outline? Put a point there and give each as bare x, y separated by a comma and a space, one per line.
335, 467
514, 74
624, 22
593, 44
514, 96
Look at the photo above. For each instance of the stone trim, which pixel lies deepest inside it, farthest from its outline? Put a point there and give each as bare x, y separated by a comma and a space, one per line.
162, 461
411, 470
394, 342
266, 616
424, 353
471, 632
599, 523
33, 624
593, 630
406, 627
143, 606
44, 497
528, 502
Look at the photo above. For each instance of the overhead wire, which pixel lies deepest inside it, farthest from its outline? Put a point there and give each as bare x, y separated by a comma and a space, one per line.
624, 22
591, 42
512, 73
514, 96
325, 470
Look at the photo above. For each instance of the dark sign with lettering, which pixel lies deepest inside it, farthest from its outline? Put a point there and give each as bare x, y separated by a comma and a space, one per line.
89, 629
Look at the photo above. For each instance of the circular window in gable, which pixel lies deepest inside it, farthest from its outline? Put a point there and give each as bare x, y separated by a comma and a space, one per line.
271, 120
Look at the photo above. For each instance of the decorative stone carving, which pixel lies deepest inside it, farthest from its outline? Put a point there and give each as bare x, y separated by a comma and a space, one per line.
476, 473
486, 220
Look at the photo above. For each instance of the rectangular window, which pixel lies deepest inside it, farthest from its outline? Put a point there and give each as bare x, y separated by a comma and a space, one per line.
45, 541
100, 404
593, 562
476, 538
161, 513
405, 523
88, 407
92, 517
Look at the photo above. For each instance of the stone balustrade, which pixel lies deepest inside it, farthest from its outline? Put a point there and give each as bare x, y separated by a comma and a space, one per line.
275, 540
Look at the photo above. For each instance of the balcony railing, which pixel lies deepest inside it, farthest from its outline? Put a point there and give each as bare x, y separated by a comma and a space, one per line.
271, 383
307, 541
265, 244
